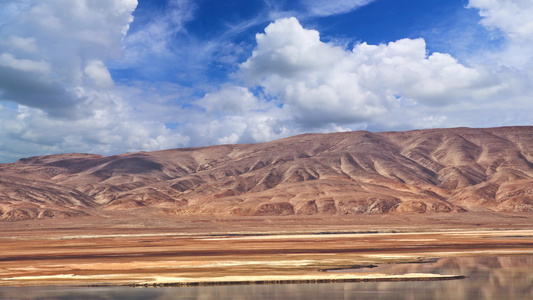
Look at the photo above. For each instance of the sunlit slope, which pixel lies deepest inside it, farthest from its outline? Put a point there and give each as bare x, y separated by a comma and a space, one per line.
422, 171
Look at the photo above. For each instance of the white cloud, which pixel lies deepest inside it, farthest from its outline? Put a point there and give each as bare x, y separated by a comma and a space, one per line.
97, 72
75, 107
333, 7
235, 115
69, 41
107, 130
153, 38
404, 68
287, 51
93, 28
230, 100
512, 64
264, 128
25, 65
24, 44
512, 19
323, 84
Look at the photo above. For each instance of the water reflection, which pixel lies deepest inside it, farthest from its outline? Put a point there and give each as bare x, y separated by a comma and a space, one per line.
508, 277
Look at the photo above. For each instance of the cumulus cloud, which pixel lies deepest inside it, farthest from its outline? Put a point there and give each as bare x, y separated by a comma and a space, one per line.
98, 74
108, 130
252, 128
322, 84
25, 65
51, 48
405, 69
57, 91
233, 114
27, 45
234, 100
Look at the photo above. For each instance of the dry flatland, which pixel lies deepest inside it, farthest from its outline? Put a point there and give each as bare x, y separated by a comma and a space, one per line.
190, 251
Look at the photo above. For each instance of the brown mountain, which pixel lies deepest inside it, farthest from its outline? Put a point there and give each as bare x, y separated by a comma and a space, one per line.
421, 171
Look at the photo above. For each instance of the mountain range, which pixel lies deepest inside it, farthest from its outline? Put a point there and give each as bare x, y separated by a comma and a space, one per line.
421, 171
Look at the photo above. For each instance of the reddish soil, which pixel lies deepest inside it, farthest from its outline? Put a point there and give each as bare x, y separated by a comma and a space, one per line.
123, 250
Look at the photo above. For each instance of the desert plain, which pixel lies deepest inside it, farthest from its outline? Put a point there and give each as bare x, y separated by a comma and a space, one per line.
161, 251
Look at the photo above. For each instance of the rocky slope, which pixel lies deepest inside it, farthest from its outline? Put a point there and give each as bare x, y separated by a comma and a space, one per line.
422, 171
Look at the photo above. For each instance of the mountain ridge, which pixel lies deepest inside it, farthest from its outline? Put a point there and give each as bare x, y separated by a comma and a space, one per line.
359, 172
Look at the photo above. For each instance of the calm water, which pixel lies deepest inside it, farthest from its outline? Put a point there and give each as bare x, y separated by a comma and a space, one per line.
506, 277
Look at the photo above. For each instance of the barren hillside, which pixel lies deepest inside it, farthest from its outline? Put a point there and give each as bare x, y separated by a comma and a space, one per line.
422, 171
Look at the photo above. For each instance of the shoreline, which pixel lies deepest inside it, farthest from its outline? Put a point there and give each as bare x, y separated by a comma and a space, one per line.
263, 280
317, 280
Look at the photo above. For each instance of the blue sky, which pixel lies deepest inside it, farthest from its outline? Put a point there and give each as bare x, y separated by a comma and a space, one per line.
121, 76
237, 22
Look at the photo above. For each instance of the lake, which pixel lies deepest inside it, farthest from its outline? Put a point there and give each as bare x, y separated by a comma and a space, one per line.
502, 277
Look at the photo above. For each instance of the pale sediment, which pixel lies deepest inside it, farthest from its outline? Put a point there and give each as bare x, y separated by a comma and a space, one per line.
280, 254
251, 280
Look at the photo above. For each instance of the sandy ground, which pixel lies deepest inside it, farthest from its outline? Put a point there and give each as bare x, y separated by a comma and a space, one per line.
158, 250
